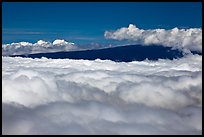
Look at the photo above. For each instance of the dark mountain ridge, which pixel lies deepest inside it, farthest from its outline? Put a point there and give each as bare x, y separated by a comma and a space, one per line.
122, 53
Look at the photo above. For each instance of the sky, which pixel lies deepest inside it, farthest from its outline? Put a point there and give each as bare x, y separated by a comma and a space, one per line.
86, 22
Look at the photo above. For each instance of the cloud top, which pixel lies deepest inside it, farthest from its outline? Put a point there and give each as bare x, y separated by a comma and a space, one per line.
64, 96
184, 39
39, 47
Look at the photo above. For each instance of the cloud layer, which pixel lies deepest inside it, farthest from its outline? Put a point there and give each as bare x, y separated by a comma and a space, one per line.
63, 96
184, 39
39, 47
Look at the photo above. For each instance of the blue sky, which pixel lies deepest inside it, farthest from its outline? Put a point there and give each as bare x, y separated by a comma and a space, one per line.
84, 23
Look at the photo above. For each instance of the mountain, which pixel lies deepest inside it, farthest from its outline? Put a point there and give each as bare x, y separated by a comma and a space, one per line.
123, 53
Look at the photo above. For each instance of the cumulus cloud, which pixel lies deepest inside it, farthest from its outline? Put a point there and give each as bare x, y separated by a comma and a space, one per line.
39, 47
64, 96
184, 39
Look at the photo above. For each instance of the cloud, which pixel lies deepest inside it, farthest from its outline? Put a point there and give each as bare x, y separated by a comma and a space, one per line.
39, 47
64, 96
184, 39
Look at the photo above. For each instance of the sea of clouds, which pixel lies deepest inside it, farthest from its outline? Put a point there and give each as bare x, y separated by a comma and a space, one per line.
64, 96
186, 40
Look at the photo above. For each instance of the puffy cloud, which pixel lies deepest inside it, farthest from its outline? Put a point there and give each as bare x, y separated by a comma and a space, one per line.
183, 39
61, 42
39, 47
64, 96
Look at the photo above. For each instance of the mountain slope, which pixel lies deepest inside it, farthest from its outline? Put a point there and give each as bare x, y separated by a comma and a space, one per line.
122, 53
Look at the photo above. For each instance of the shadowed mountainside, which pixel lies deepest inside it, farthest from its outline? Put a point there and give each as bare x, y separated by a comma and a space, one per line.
122, 53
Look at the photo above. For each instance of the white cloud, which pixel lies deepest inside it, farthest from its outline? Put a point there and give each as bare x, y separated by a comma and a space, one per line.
64, 96
61, 42
184, 39
39, 47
